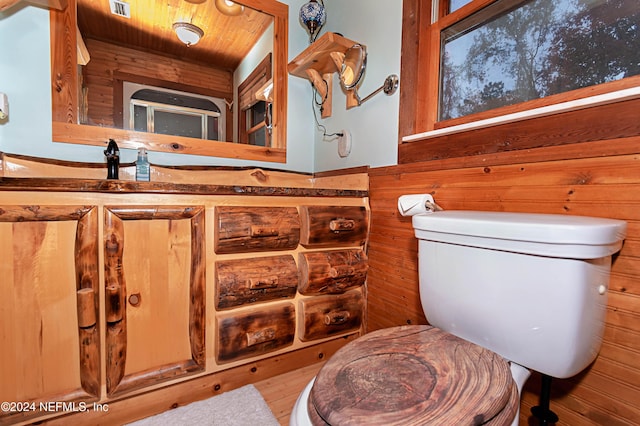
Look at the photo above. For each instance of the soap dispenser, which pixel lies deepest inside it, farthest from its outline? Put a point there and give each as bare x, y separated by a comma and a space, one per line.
142, 166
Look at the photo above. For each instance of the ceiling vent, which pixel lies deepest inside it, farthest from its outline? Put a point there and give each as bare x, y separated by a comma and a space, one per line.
120, 8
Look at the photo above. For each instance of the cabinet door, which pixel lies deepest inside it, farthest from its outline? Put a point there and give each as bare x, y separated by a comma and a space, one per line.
49, 336
154, 291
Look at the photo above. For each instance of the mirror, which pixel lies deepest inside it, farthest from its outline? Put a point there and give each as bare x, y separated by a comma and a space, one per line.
71, 104
354, 64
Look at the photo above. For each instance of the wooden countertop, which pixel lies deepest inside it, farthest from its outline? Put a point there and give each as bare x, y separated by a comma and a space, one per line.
123, 187
25, 173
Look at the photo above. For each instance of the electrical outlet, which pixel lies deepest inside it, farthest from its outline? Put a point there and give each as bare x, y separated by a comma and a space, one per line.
344, 144
4, 106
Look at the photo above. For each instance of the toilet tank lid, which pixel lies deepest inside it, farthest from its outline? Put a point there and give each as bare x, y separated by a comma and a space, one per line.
532, 227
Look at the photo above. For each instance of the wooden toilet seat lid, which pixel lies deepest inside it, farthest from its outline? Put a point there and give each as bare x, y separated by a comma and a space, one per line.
413, 375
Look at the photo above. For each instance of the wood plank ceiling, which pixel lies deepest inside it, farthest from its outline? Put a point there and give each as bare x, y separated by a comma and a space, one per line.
226, 41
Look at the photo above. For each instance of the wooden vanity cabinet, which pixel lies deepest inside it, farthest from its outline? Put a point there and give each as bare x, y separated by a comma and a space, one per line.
116, 299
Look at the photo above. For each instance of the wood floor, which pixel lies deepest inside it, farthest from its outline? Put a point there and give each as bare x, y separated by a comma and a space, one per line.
281, 392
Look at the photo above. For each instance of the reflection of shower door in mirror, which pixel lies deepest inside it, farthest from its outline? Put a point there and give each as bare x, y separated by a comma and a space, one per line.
171, 112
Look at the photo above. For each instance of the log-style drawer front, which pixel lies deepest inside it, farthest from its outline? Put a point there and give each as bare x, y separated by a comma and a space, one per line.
325, 316
247, 229
245, 281
255, 333
333, 225
330, 272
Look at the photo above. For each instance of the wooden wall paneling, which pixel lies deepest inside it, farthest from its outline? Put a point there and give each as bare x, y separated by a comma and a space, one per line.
609, 121
158, 284
594, 184
111, 63
392, 259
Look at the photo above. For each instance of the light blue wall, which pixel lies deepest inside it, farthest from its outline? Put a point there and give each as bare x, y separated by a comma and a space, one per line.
24, 76
377, 24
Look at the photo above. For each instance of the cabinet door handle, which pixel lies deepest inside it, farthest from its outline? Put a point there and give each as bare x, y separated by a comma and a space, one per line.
263, 231
135, 299
86, 307
341, 225
260, 283
336, 318
261, 336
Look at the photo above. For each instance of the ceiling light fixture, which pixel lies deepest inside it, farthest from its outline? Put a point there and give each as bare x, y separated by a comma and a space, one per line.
188, 33
229, 8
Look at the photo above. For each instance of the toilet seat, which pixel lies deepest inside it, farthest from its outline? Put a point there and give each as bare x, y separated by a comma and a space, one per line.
413, 375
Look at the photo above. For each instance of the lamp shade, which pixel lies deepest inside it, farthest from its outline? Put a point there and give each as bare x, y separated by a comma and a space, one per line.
188, 33
313, 15
229, 7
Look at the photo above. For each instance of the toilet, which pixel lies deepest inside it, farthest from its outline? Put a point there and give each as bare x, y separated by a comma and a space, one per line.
504, 293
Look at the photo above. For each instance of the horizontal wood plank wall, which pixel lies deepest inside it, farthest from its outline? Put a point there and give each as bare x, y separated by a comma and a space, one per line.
108, 61
594, 183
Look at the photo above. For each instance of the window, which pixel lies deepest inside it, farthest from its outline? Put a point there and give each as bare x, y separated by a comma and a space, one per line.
256, 124
457, 4
511, 51
254, 110
169, 112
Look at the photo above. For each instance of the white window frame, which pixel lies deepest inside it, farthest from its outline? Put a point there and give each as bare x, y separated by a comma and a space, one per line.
129, 89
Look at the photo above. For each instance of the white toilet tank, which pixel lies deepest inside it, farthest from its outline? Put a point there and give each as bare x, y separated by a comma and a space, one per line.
530, 287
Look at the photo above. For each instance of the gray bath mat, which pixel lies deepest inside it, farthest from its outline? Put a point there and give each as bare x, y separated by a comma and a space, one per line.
240, 407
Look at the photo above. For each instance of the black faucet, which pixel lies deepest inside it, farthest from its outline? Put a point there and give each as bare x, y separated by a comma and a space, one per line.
113, 159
